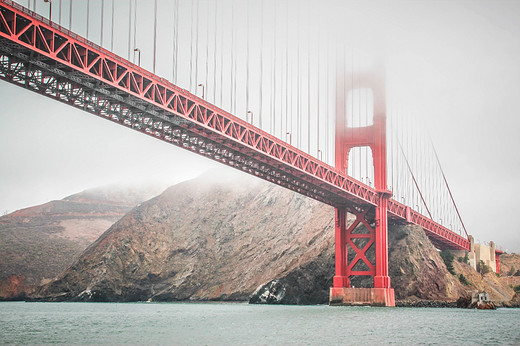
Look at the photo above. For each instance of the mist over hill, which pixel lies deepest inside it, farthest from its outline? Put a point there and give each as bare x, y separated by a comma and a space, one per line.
38, 243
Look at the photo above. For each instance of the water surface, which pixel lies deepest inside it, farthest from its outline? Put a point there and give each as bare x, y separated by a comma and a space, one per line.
231, 324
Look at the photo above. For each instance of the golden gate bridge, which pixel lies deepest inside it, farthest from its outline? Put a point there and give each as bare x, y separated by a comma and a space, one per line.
296, 103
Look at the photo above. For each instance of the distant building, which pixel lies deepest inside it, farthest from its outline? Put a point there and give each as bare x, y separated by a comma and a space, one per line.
485, 253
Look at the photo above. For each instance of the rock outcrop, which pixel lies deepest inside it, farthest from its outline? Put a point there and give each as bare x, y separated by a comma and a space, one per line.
38, 243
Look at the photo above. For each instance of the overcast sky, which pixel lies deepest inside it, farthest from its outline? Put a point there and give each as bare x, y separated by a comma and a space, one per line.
453, 64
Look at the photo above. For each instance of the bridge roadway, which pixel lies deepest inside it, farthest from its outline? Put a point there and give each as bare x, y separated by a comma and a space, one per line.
46, 58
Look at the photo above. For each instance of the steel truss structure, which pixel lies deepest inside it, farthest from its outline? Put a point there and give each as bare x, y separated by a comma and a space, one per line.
44, 57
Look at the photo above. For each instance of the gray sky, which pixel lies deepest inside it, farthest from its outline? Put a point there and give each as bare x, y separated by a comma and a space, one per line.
452, 66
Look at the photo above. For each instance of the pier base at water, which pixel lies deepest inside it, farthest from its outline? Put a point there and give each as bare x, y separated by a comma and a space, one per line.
361, 296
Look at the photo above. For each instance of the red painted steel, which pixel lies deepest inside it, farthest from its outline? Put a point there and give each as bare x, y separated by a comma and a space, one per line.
43, 57
373, 136
497, 260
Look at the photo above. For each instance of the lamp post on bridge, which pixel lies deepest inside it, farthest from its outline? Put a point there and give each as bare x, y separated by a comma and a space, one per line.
202, 85
138, 56
50, 9
251, 119
320, 155
290, 137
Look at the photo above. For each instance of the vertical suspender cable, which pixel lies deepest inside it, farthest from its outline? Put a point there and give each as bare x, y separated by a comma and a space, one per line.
112, 30
367, 155
135, 25
88, 18
309, 79
398, 165
261, 61
282, 76
392, 143
215, 53
273, 78
247, 58
232, 60
286, 69
318, 85
327, 99
221, 64
102, 21
191, 47
129, 28
176, 67
70, 15
196, 78
154, 34
358, 115
174, 41
59, 13
298, 103
207, 47
365, 115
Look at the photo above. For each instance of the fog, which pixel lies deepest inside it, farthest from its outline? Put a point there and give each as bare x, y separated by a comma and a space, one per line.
452, 67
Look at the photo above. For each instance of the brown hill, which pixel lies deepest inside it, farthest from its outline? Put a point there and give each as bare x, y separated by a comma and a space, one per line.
208, 240
38, 243
200, 240
510, 264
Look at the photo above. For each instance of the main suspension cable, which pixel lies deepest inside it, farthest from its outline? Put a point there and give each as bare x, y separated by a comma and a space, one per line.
448, 187
415, 181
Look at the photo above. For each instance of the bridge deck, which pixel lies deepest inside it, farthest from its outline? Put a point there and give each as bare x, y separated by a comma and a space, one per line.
43, 57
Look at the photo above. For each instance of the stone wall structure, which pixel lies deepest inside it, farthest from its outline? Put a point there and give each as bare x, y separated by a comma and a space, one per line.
481, 252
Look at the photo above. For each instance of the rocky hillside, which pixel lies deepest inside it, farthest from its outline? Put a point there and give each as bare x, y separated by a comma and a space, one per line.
38, 243
202, 240
510, 265
417, 273
225, 237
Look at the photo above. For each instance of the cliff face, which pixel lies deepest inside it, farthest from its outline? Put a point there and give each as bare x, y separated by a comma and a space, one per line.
38, 243
416, 268
209, 240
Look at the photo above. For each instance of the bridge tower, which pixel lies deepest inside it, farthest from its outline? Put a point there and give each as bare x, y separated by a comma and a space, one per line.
369, 228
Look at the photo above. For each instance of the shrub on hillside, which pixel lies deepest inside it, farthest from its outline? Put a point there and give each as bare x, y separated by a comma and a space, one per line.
448, 257
463, 280
464, 259
483, 268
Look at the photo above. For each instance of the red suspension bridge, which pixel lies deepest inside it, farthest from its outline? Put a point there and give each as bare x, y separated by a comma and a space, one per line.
44, 57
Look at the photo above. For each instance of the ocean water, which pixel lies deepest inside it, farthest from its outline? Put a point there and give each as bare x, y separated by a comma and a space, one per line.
235, 323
